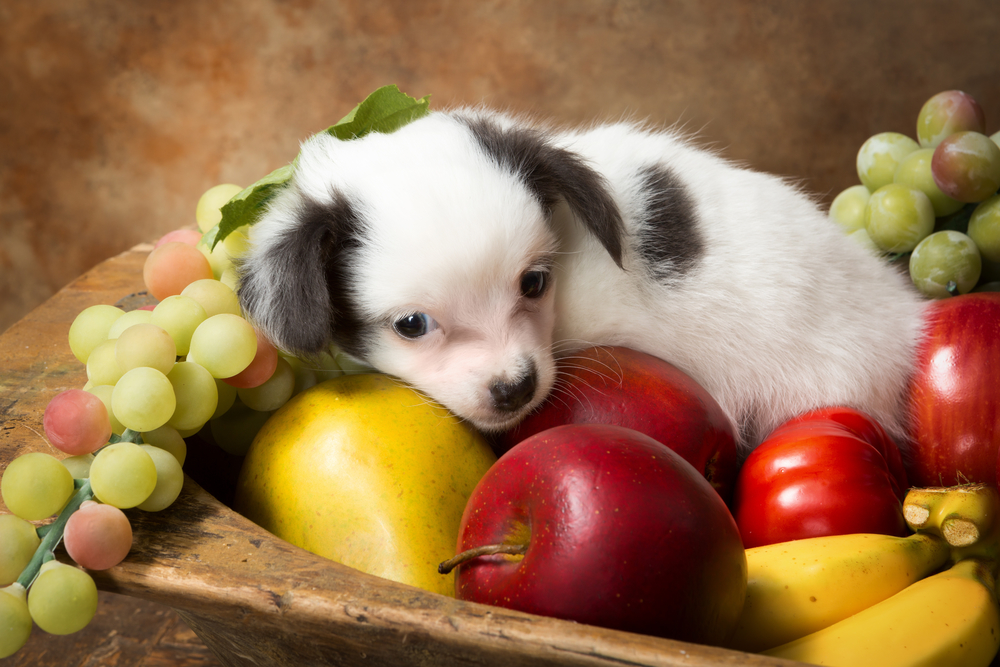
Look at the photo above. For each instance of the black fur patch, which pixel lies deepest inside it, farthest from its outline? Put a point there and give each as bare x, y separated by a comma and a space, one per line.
313, 260
668, 239
551, 172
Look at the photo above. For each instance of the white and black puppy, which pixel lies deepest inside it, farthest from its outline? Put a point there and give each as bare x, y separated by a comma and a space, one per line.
466, 251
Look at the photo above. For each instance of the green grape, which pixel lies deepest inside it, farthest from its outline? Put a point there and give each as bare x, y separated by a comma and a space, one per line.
274, 393
914, 170
123, 475
227, 396
15, 620
351, 366
237, 242
187, 433
305, 376
984, 228
848, 208
880, 155
230, 278
946, 113
127, 320
18, 541
898, 217
217, 259
145, 345
168, 439
260, 369
235, 430
196, 393
143, 399
995, 138
179, 316
90, 329
104, 392
208, 210
169, 480
214, 297
942, 258
63, 599
78, 466
35, 486
224, 344
102, 364
861, 237
328, 365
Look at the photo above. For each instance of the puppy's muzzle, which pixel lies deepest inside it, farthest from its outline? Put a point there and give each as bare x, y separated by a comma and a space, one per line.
510, 396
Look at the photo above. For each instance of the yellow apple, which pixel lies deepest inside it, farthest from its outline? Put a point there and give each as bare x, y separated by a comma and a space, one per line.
367, 472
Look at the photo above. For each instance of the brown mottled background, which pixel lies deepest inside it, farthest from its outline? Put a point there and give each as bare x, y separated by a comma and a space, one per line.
116, 116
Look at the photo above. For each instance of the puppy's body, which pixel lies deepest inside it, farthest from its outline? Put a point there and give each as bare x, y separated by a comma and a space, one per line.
460, 251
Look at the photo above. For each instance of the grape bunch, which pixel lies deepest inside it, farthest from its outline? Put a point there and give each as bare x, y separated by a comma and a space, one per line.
932, 199
155, 376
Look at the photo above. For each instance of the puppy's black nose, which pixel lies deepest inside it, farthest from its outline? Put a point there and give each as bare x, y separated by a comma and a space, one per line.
510, 396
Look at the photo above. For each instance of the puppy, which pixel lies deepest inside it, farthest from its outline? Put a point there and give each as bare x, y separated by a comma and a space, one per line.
469, 249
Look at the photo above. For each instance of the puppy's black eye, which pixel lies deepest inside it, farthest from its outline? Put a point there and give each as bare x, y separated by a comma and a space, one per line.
534, 284
415, 325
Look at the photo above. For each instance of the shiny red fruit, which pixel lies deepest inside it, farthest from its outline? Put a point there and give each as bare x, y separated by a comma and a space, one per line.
955, 393
832, 471
616, 385
619, 531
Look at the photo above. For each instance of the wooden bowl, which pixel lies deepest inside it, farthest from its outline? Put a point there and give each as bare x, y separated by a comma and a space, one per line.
256, 599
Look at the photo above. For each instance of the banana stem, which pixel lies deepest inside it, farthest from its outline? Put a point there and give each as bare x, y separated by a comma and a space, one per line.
921, 507
54, 533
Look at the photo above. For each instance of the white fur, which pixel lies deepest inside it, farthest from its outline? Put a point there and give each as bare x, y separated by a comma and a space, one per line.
781, 314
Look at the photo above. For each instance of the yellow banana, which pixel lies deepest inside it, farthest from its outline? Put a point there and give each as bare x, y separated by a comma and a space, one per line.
795, 588
948, 619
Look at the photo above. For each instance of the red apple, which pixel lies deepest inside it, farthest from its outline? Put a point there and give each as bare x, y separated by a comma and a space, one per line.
955, 393
616, 385
616, 530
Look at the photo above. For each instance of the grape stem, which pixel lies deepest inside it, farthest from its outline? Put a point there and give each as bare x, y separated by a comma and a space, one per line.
53, 534
128, 435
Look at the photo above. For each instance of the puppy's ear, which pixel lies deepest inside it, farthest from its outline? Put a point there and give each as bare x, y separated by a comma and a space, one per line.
293, 282
551, 172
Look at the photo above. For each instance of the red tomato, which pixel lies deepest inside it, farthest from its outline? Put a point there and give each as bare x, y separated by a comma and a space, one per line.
832, 471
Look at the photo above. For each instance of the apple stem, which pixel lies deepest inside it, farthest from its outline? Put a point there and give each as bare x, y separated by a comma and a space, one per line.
453, 562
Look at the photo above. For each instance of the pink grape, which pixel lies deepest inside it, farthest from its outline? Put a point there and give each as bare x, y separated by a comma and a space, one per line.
76, 422
946, 113
172, 267
966, 166
98, 536
189, 236
260, 369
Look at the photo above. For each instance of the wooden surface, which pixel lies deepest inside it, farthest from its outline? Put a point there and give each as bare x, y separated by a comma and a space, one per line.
255, 599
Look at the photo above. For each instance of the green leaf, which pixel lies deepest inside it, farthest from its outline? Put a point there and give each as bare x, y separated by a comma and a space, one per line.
245, 207
385, 111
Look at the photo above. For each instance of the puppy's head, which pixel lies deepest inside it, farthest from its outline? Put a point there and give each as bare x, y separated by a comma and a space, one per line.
427, 253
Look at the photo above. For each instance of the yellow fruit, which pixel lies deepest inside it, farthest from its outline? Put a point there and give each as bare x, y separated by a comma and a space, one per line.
946, 620
367, 472
798, 587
